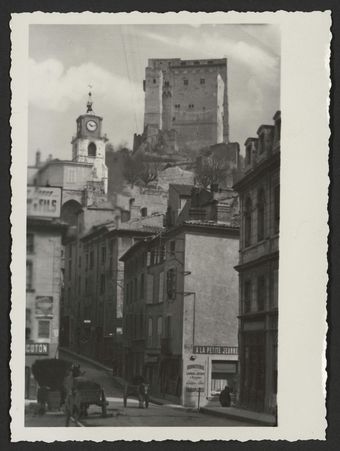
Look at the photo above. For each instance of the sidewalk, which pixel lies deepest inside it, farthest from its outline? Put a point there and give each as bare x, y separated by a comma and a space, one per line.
119, 380
262, 419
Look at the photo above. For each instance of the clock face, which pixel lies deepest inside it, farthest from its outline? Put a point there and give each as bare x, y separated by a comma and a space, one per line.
91, 125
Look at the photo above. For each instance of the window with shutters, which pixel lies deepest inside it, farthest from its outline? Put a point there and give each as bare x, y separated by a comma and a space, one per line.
135, 291
161, 286
149, 288
171, 284
44, 329
247, 296
247, 222
277, 208
260, 215
102, 284
150, 331
103, 255
167, 331
172, 247
159, 329
29, 275
274, 288
142, 286
261, 293
30, 243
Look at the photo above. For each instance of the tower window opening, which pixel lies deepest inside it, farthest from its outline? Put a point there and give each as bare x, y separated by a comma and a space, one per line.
186, 82
92, 150
202, 81
144, 212
154, 80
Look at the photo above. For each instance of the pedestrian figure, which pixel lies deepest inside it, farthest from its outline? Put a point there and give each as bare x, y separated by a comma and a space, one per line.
76, 370
42, 399
225, 397
68, 389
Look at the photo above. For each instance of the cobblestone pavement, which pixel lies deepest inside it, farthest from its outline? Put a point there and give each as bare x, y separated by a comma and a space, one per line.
132, 415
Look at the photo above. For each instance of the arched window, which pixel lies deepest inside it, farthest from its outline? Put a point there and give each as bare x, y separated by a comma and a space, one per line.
92, 149
247, 222
260, 215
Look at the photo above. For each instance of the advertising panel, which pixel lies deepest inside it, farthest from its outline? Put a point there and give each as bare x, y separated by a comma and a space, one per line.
44, 306
43, 201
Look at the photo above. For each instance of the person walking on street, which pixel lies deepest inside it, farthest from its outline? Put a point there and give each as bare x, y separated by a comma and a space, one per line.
224, 397
68, 388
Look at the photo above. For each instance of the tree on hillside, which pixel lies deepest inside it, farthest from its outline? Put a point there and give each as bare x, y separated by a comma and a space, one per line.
141, 168
211, 170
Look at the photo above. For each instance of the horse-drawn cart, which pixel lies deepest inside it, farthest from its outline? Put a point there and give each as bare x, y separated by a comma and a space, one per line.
59, 387
139, 389
85, 393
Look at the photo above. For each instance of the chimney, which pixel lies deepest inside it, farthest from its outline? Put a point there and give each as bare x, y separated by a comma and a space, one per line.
37, 158
49, 157
214, 187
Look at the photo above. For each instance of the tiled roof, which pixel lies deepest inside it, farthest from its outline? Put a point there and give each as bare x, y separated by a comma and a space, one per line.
183, 189
207, 223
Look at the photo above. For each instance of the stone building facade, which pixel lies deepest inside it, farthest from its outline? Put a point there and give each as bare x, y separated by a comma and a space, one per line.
93, 295
259, 191
180, 308
186, 101
44, 278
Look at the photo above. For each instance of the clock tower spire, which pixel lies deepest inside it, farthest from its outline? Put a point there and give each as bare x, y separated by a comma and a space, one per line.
89, 102
88, 146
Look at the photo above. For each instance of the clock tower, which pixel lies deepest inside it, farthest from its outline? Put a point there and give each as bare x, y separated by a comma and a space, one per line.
88, 146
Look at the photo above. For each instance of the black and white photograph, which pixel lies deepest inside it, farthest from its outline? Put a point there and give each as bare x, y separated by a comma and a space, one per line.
152, 225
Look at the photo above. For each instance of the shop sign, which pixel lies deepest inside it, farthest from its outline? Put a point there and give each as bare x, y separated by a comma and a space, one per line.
37, 348
43, 201
44, 306
222, 350
195, 377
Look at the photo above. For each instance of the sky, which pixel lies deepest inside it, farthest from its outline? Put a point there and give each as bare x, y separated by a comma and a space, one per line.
66, 59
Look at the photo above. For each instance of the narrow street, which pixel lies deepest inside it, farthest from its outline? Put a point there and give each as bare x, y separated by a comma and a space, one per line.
132, 415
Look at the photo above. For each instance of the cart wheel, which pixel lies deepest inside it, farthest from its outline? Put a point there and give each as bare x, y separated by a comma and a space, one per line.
76, 410
103, 400
76, 413
104, 411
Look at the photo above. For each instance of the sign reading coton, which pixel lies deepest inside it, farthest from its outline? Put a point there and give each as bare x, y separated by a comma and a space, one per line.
43, 201
37, 348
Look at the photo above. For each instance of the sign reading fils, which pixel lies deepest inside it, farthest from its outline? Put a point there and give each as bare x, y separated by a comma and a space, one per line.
43, 201
222, 350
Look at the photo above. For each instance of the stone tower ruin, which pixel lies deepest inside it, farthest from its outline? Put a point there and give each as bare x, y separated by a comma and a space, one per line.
188, 98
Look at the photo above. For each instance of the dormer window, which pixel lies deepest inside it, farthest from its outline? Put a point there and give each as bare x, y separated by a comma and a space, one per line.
92, 149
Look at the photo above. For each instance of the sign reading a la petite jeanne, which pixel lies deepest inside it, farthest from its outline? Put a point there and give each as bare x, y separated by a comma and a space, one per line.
37, 348
223, 350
